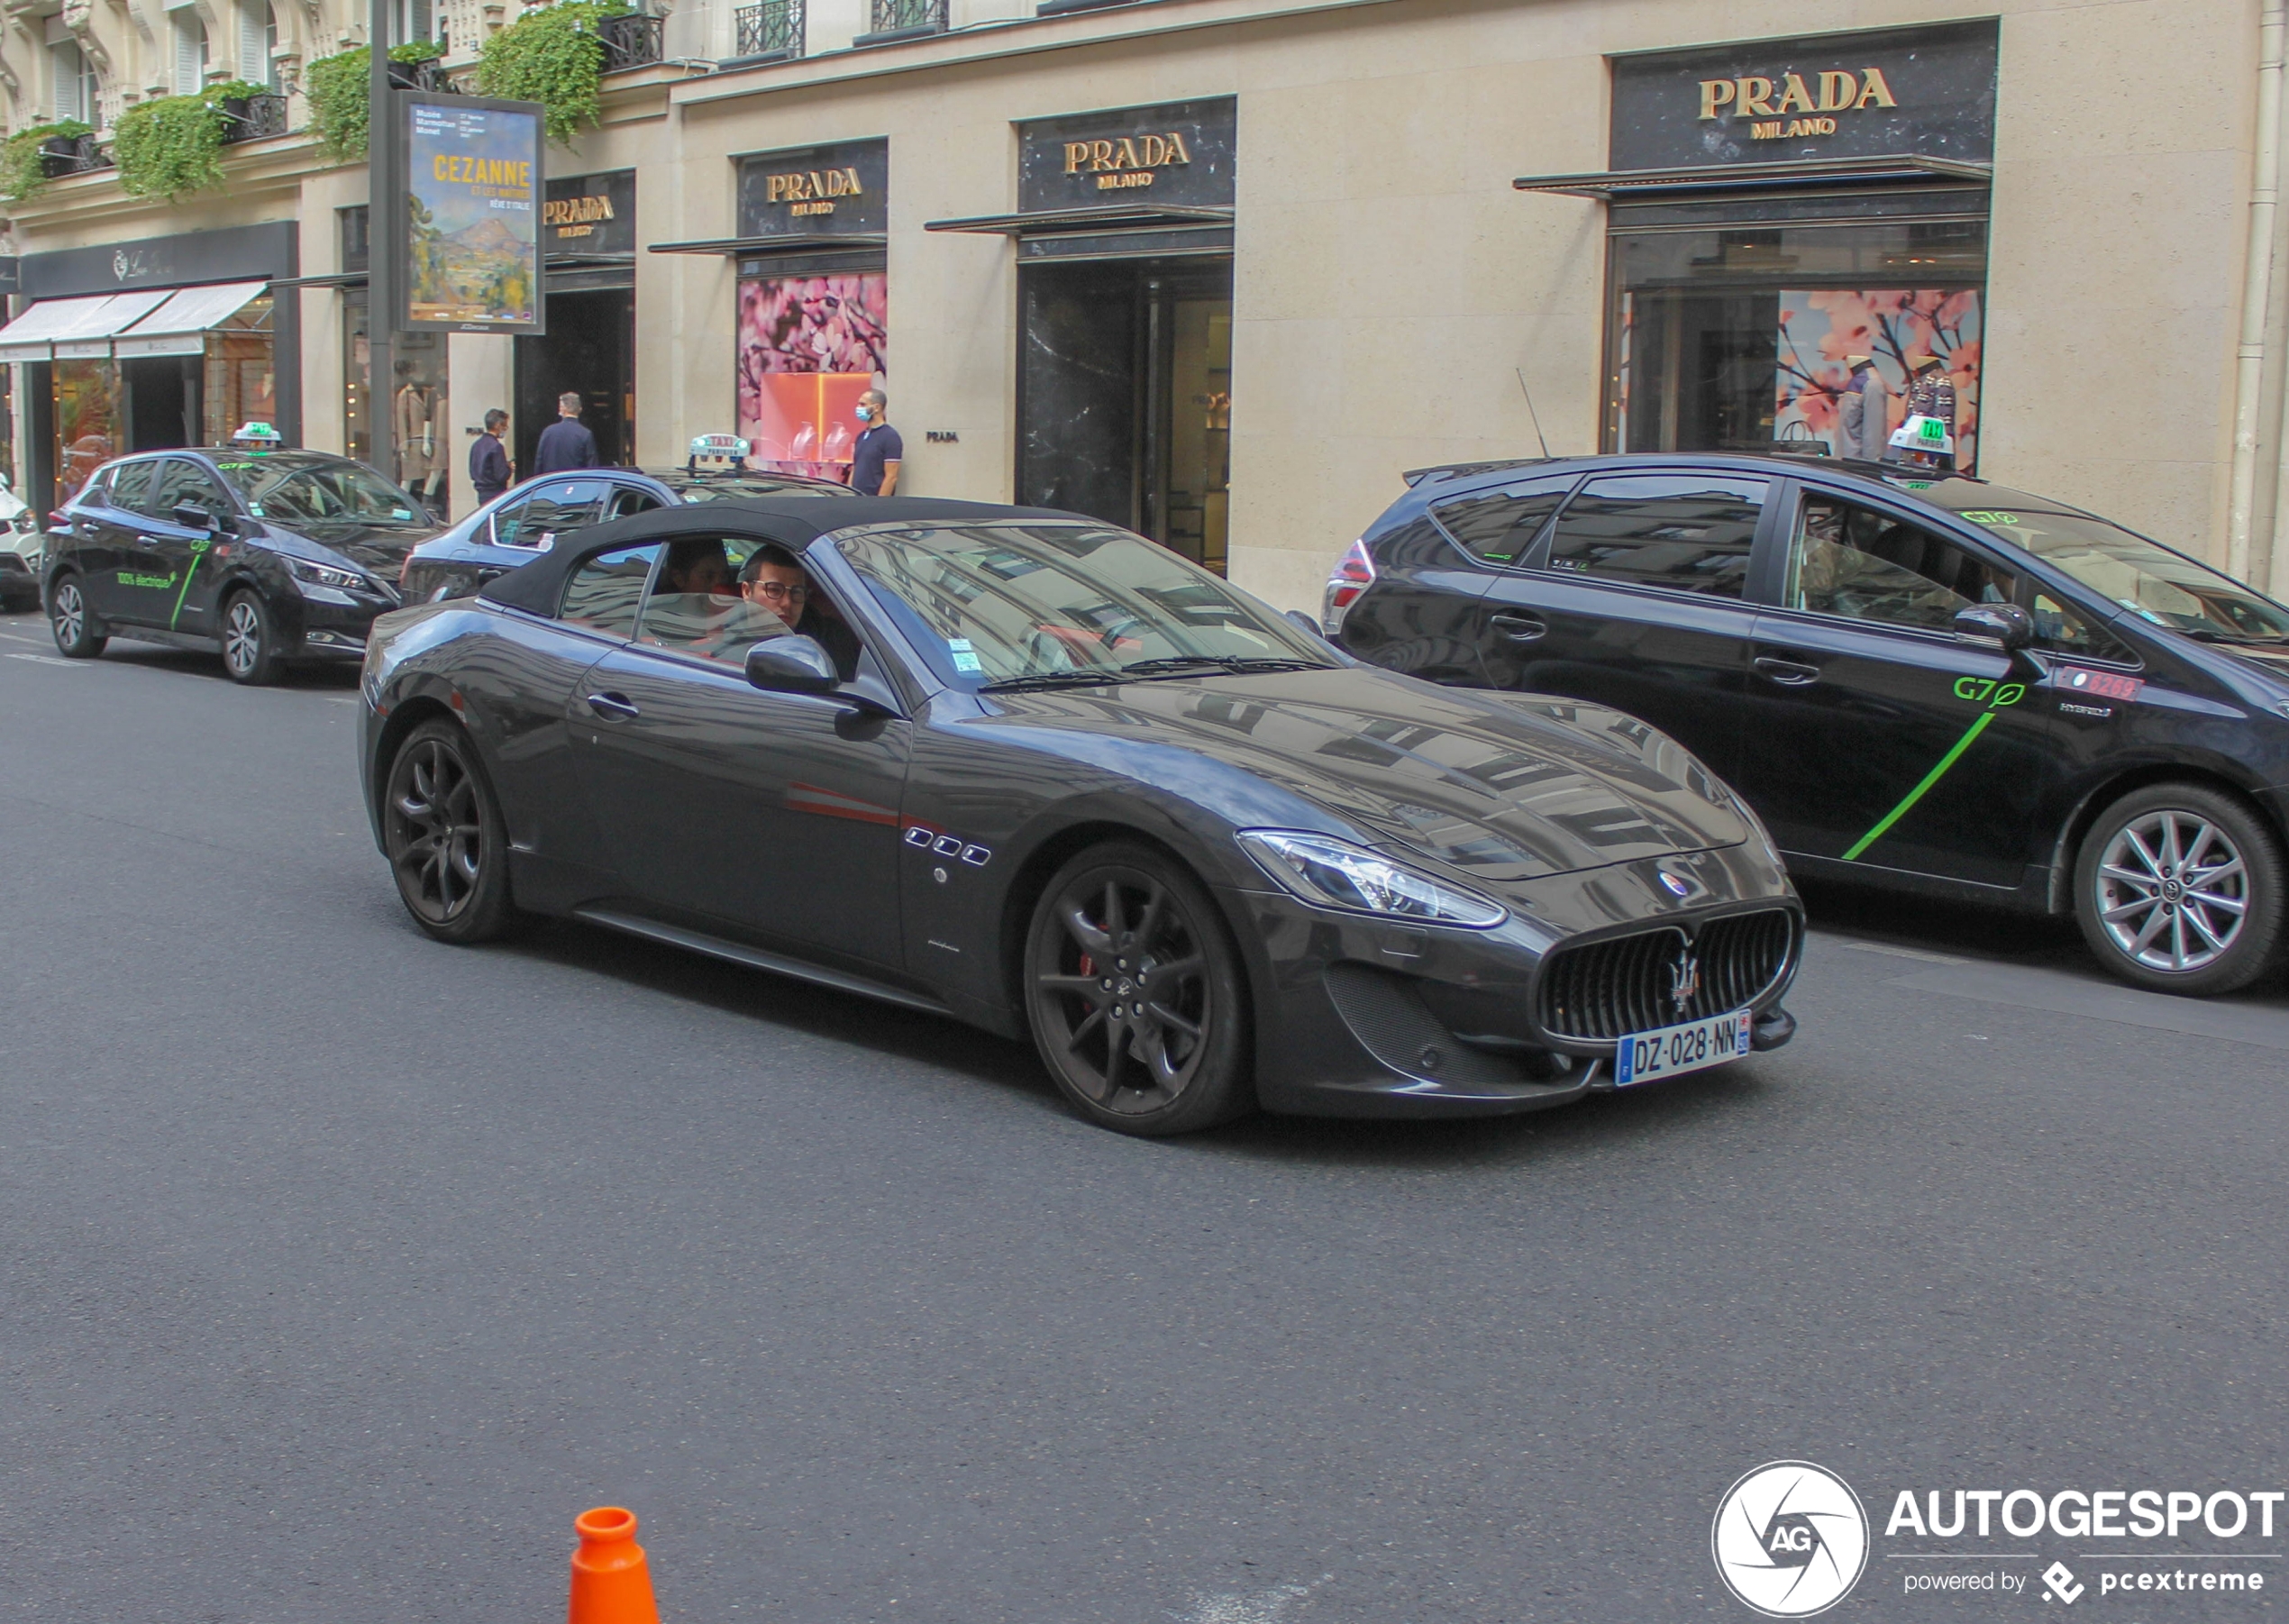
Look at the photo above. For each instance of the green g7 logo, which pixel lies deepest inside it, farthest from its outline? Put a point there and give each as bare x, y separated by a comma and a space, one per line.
1979, 691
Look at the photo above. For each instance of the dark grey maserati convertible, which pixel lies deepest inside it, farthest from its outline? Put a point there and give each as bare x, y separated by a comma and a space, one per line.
1036, 773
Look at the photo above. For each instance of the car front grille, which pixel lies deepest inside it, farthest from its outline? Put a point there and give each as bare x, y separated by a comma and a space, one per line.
1596, 993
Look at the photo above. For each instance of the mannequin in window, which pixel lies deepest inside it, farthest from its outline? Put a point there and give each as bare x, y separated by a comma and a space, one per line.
1931, 393
416, 433
1864, 413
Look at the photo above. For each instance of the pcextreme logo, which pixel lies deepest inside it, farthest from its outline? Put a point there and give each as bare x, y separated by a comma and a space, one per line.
1790, 1539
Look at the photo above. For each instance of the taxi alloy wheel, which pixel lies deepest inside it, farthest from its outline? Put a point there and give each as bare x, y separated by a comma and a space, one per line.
250, 642
1134, 994
2180, 889
447, 843
75, 634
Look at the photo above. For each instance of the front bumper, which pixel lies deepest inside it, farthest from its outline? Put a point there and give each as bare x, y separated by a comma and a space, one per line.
1363, 1017
329, 624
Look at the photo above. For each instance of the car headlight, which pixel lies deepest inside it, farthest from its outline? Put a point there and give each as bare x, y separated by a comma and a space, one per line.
326, 575
1328, 872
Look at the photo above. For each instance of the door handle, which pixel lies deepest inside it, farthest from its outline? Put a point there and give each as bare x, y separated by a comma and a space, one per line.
1788, 673
616, 707
1519, 628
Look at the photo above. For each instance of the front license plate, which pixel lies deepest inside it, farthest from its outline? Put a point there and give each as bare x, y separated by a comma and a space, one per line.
1673, 1051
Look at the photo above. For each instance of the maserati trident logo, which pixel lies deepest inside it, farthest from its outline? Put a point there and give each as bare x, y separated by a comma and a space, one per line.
1684, 978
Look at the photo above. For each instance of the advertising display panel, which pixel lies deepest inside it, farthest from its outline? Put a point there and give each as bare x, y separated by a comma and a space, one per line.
473, 195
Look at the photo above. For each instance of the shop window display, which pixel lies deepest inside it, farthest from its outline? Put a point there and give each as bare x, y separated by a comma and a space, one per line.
87, 421
1746, 339
808, 347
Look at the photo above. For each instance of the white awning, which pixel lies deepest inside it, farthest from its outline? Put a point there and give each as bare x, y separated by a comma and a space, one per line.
85, 324
180, 325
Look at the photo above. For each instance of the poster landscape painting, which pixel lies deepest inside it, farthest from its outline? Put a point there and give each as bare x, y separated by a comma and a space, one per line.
473, 182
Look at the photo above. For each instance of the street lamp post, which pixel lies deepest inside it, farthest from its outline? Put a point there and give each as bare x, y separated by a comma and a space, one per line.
385, 242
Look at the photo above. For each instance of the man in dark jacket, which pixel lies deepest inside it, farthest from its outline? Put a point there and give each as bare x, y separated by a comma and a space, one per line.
566, 443
488, 461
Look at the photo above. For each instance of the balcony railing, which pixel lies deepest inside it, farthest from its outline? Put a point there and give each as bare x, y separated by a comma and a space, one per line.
73, 155
254, 118
772, 29
630, 40
897, 19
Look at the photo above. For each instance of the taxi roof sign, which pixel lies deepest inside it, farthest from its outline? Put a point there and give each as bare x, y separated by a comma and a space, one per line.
722, 451
255, 433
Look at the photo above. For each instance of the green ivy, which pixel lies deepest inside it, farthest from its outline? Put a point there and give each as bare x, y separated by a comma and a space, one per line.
168, 147
339, 90
22, 177
551, 55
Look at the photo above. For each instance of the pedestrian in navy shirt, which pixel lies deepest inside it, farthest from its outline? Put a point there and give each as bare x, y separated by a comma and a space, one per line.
488, 461
566, 443
874, 460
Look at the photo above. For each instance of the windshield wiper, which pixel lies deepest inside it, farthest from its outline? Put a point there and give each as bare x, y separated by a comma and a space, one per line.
1174, 665
2207, 634
1037, 679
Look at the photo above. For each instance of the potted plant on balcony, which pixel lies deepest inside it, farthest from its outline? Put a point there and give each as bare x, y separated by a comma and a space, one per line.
30, 158
235, 100
553, 55
337, 86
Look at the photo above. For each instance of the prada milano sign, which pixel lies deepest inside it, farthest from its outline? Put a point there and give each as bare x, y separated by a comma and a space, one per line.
1929, 92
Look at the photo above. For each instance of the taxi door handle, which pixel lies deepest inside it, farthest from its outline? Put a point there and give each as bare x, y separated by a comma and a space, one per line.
616, 707
1788, 673
1518, 628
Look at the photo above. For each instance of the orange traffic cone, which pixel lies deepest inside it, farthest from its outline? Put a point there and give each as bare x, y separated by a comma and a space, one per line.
610, 1582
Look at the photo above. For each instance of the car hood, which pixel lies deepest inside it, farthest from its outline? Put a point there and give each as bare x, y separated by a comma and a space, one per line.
379, 548
1500, 788
2273, 661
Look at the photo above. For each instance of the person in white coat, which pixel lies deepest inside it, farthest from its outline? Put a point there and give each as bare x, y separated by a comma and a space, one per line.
1864, 416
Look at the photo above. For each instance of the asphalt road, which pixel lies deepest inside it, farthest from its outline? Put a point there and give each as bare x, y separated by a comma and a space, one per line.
338, 1270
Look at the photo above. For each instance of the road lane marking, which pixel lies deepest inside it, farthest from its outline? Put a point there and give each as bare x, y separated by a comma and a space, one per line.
77, 665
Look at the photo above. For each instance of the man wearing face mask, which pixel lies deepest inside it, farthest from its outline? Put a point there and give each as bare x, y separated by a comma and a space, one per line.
874, 460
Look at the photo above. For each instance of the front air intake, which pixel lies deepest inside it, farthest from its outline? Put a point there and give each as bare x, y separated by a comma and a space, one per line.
1601, 990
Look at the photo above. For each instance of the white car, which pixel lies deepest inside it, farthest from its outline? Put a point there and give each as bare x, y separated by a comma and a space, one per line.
22, 548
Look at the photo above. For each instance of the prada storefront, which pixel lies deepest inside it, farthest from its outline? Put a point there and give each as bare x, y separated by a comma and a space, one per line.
589, 258
1123, 235
814, 300
1798, 242
143, 345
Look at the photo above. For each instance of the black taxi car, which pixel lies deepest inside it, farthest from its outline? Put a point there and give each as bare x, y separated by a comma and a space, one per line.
1041, 774
1925, 682
269, 555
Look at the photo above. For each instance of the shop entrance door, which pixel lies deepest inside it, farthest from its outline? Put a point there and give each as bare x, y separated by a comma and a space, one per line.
163, 401
1125, 396
590, 350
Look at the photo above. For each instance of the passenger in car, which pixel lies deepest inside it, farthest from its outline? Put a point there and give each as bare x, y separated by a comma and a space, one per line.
773, 580
695, 566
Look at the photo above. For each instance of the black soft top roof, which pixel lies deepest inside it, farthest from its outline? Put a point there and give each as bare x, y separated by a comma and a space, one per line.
793, 522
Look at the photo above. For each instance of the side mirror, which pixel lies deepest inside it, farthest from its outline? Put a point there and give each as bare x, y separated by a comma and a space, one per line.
792, 665
2003, 623
190, 516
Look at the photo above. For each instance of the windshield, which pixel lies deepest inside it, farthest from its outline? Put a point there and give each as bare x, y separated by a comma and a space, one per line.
2152, 582
330, 492
759, 485
1051, 604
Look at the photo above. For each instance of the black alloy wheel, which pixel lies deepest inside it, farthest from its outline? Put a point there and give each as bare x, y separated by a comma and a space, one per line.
1134, 994
249, 640
77, 634
2179, 888
448, 845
